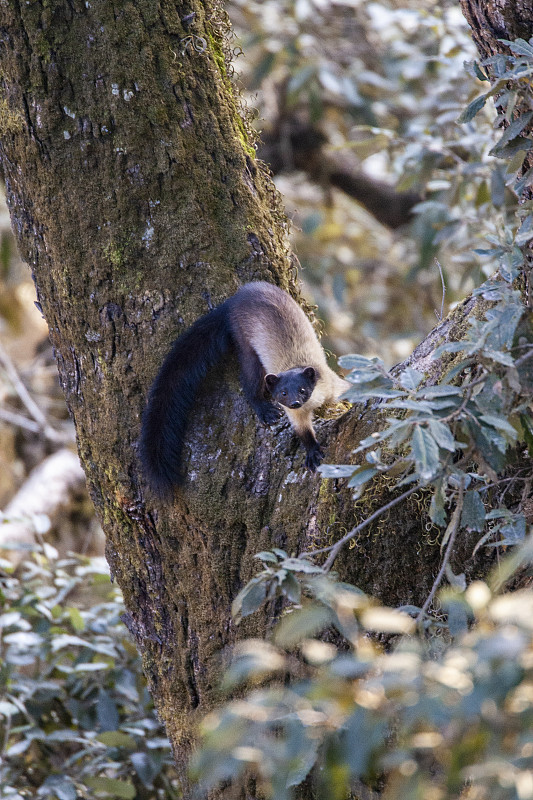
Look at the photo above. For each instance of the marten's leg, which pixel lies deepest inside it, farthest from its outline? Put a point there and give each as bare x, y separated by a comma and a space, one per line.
301, 420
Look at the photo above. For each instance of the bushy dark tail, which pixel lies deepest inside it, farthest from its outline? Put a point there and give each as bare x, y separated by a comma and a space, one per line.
172, 395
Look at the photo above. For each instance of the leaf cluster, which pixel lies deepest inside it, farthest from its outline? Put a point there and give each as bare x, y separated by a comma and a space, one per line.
459, 436
76, 719
418, 719
449, 701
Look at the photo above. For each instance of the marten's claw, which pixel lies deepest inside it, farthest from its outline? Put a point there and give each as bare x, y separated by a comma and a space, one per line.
314, 458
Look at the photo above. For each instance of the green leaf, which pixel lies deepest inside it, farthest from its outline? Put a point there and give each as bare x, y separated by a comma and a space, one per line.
355, 361
426, 453
420, 406
61, 735
437, 513
513, 532
519, 47
58, 786
517, 145
7, 709
515, 129
442, 435
473, 513
249, 599
506, 317
474, 70
523, 182
146, 767
456, 610
76, 619
440, 390
337, 470
263, 68
499, 357
410, 378
302, 565
252, 658
303, 756
501, 424
365, 734
106, 711
264, 555
301, 624
525, 233
355, 395
291, 588
112, 787
449, 347
527, 427
117, 739
362, 476
300, 78
18, 748
472, 109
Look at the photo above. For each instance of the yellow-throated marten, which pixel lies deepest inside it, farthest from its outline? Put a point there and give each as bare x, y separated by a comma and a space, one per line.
281, 360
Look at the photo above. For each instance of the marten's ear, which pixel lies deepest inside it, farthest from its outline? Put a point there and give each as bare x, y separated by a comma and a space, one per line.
270, 381
310, 374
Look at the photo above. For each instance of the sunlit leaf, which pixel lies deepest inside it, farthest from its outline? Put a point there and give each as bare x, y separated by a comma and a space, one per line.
410, 378
117, 739
425, 451
112, 787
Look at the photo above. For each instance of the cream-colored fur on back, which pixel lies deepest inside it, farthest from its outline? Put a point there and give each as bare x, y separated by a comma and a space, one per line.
282, 336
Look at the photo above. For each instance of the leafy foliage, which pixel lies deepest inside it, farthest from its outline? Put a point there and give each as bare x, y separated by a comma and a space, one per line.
448, 702
458, 436
76, 719
385, 86
421, 717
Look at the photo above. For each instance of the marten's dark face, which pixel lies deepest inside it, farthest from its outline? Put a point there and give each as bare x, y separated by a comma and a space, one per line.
293, 387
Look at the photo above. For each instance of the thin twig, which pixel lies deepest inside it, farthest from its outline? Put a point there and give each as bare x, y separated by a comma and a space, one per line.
20, 421
500, 481
466, 398
25, 397
452, 531
334, 549
523, 358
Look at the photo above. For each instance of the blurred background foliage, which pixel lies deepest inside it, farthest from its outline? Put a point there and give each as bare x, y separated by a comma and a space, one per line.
76, 718
360, 702
357, 104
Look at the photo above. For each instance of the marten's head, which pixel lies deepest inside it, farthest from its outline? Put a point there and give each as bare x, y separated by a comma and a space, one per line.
293, 387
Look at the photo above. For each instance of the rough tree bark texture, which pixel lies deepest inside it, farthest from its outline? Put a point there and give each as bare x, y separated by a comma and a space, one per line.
491, 20
138, 203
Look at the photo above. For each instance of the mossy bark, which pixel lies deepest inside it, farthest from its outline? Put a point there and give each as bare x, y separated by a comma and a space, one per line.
138, 203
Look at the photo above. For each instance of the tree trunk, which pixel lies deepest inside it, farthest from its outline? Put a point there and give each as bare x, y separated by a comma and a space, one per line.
138, 203
491, 21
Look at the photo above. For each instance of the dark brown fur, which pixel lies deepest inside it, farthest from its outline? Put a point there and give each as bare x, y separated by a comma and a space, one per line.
283, 368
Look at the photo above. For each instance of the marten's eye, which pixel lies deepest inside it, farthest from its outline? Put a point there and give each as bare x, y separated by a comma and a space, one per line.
284, 393
302, 390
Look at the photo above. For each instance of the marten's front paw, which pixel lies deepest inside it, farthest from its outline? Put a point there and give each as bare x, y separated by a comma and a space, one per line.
314, 458
270, 415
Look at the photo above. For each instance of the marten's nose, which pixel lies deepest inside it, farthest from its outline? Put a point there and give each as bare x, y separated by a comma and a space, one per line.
296, 404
